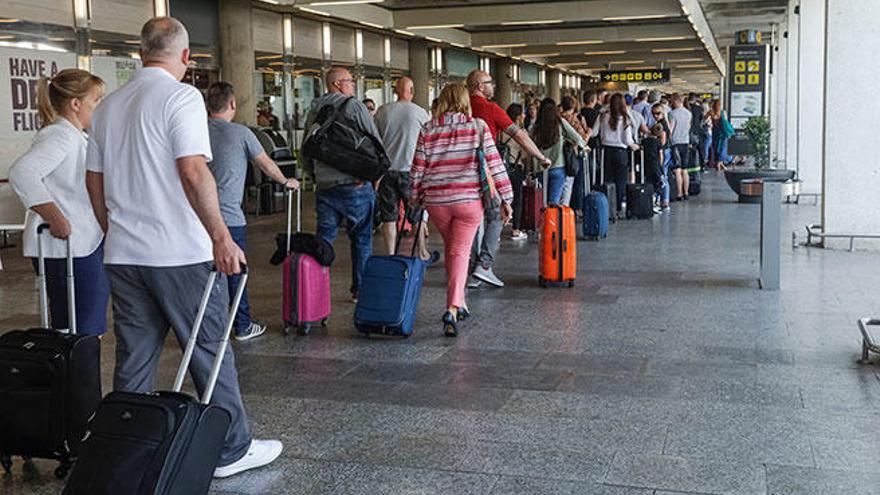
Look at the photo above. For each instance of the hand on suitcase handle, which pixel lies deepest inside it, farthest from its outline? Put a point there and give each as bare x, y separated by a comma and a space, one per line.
59, 228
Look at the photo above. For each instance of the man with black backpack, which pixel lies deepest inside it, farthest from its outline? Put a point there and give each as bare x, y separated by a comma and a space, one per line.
344, 155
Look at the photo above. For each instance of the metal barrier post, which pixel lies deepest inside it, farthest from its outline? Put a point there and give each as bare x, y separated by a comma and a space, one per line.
771, 217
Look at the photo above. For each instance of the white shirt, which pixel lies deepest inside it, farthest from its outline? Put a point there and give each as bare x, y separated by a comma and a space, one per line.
53, 171
137, 133
621, 137
680, 121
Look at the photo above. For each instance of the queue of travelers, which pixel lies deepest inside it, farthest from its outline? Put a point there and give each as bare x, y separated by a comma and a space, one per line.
151, 204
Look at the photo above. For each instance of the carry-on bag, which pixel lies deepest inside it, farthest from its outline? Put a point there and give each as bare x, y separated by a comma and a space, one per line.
305, 286
390, 290
609, 189
50, 382
695, 181
595, 221
531, 206
160, 443
639, 196
557, 253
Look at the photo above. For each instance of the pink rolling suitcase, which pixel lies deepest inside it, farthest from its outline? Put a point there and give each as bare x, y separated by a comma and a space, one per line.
306, 286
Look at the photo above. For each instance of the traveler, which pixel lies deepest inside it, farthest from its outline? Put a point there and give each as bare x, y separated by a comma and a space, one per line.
482, 89
265, 117
154, 195
647, 111
589, 115
660, 130
50, 180
371, 106
233, 146
721, 133
445, 178
680, 123
614, 128
603, 100
399, 124
698, 159
653, 145
550, 133
706, 125
574, 186
641, 105
532, 114
517, 171
342, 198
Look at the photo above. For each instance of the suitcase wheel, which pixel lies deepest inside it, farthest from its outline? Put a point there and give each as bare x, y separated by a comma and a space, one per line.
570, 284
62, 470
286, 330
305, 329
6, 462
324, 322
542, 282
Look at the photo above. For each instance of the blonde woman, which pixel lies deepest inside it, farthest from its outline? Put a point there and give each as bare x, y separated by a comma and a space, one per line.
445, 178
50, 180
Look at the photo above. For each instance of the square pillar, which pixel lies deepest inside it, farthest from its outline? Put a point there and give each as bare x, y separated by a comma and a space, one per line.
811, 61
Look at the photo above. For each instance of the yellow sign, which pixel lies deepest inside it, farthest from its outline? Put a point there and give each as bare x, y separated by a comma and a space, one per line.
739, 79
740, 66
638, 76
659, 75
754, 66
754, 79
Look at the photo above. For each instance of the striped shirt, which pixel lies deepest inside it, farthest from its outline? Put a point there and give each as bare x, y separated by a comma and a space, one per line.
445, 166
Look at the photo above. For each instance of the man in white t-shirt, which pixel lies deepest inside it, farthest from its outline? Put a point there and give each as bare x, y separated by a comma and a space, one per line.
680, 124
399, 124
156, 199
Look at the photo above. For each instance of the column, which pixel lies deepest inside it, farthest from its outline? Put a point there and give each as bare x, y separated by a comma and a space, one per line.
778, 92
810, 98
791, 87
237, 56
420, 72
553, 89
851, 176
504, 83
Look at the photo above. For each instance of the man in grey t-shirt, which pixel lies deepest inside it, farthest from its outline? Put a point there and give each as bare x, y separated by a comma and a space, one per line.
680, 124
399, 124
233, 146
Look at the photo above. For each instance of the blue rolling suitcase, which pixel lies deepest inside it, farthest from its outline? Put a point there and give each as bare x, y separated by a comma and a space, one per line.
389, 294
596, 211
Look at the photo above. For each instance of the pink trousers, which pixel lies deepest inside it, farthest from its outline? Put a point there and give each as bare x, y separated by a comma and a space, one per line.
458, 224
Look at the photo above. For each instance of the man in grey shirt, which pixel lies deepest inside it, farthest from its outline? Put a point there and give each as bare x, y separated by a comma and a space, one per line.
399, 123
680, 125
233, 146
342, 199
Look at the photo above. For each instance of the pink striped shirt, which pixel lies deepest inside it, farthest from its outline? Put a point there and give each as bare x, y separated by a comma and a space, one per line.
445, 166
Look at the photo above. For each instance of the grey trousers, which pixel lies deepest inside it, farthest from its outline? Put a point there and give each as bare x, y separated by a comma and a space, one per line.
149, 300
488, 239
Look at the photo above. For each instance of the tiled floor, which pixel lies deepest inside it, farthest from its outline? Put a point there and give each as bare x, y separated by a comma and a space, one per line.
665, 370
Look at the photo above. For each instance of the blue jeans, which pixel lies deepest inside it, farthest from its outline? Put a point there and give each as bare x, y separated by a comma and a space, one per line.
555, 182
667, 160
720, 145
91, 290
353, 206
705, 144
243, 315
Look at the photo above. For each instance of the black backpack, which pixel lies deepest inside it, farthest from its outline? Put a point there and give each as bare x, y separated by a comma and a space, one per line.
336, 142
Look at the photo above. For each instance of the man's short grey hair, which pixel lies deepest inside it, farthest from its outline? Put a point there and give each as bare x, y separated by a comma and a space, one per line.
653, 96
163, 37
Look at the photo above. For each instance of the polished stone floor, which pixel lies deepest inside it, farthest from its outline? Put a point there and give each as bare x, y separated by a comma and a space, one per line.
664, 370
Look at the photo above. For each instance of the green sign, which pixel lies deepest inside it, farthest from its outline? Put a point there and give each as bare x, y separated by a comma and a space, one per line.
652, 76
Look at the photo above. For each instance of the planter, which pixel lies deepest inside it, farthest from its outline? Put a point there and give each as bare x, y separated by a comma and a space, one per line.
736, 176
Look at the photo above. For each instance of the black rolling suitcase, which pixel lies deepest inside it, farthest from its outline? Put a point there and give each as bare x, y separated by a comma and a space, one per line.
161, 443
639, 196
50, 383
607, 188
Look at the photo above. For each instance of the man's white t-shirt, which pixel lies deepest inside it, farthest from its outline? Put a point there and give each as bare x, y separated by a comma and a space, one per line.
137, 133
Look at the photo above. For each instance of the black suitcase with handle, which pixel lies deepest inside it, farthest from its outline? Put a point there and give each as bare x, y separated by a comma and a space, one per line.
162, 443
639, 196
50, 383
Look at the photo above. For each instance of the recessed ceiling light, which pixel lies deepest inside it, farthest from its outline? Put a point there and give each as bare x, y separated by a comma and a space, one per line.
372, 24
581, 42
201, 55
698, 59
649, 67
435, 40
669, 50
609, 52
509, 45
634, 17
401, 31
132, 42
623, 62
691, 66
7, 37
345, 2
4, 20
553, 54
313, 11
273, 2
667, 38
527, 23
435, 26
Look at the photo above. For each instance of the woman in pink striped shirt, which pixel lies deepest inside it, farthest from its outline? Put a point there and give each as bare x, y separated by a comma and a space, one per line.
445, 178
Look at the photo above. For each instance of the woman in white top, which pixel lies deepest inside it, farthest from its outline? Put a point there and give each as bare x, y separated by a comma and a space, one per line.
50, 180
615, 130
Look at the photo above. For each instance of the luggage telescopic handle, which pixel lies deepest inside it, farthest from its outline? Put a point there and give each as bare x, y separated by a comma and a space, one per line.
197, 326
290, 213
545, 180
41, 277
602, 166
415, 234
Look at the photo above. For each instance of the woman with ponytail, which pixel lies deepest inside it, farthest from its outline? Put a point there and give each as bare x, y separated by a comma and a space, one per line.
50, 180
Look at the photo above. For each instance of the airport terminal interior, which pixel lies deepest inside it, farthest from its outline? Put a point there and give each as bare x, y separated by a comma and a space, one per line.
723, 344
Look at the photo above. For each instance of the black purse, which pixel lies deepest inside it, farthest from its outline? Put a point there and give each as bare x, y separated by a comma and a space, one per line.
572, 161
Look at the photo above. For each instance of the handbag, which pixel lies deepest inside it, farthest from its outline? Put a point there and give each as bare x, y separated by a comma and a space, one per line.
726, 126
572, 159
488, 192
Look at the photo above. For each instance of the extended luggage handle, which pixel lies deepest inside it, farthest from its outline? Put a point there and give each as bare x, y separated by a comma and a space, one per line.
290, 213
41, 277
197, 326
545, 174
418, 230
641, 167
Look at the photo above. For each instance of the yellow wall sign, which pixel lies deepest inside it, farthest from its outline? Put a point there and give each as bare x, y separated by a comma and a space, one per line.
739, 79
754, 79
740, 66
659, 75
754, 65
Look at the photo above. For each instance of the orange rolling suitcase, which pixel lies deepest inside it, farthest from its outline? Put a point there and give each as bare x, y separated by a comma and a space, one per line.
557, 254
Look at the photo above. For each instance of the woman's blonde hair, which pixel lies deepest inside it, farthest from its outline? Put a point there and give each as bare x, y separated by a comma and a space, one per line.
453, 99
54, 94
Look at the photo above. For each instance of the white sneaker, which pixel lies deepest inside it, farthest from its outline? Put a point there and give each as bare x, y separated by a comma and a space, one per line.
519, 236
487, 276
259, 454
252, 331
474, 283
